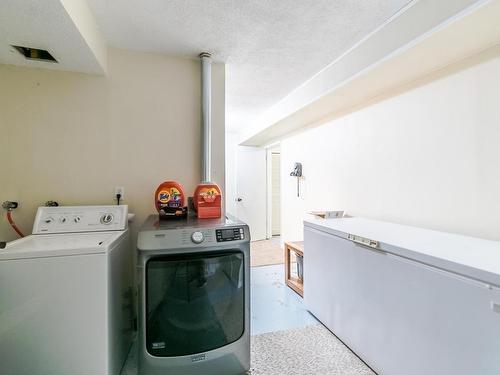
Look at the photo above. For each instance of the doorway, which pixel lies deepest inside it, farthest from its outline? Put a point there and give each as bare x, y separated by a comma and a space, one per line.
256, 198
269, 250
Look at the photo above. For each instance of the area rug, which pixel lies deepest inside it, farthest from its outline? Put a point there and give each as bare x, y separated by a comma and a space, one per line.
311, 350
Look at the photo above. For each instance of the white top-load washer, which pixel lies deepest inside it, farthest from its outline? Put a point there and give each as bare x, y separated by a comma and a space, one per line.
66, 294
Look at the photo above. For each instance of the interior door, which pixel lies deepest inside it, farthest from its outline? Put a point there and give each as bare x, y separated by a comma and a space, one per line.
251, 185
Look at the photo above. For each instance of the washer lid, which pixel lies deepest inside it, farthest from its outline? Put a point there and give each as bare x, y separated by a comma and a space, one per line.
56, 245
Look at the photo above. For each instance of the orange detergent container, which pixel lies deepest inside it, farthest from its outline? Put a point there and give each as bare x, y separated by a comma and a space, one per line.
170, 200
207, 200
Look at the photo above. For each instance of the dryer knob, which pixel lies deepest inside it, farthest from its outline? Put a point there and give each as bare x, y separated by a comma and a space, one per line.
197, 237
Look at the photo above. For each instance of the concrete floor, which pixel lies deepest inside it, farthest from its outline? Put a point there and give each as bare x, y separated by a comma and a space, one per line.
275, 307
266, 252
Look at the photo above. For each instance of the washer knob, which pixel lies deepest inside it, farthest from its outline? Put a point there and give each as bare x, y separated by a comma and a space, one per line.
197, 237
106, 218
77, 219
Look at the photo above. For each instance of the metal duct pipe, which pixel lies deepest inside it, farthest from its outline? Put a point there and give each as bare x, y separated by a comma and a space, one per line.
206, 112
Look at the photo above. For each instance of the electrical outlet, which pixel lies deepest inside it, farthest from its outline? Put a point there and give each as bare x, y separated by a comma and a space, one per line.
119, 190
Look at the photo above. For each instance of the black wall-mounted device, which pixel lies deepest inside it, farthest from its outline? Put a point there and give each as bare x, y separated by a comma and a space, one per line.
297, 170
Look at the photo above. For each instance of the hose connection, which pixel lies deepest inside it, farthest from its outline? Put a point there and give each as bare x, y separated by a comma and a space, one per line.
9, 206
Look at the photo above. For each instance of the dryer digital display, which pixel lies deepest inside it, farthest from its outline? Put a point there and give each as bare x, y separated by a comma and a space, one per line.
230, 234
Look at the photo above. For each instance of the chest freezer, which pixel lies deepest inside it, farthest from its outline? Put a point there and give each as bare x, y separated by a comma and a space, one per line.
407, 300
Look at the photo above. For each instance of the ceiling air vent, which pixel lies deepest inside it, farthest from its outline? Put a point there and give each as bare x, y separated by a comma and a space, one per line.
35, 54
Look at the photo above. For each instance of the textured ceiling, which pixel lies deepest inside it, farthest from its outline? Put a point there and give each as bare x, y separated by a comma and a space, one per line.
270, 47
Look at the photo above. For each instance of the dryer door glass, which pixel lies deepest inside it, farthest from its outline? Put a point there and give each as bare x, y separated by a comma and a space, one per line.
194, 302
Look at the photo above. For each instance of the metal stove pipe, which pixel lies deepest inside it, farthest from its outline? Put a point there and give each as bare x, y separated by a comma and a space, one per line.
206, 112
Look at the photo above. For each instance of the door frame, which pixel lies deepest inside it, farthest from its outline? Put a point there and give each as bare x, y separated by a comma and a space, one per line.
269, 193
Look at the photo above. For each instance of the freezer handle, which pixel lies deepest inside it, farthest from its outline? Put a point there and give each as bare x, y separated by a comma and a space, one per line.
363, 241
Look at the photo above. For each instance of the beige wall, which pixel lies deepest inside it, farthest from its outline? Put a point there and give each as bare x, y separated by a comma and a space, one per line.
428, 157
73, 137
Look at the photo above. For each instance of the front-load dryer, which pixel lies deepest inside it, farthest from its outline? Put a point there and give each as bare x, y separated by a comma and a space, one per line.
194, 297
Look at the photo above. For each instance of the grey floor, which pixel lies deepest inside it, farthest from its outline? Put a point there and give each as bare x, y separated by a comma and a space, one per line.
275, 307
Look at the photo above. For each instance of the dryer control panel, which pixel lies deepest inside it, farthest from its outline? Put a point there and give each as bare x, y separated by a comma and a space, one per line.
77, 219
230, 234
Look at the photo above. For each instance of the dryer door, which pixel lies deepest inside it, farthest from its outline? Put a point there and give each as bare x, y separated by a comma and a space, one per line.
194, 302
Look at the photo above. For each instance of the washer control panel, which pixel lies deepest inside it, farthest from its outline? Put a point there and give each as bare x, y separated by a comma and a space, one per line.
229, 234
67, 219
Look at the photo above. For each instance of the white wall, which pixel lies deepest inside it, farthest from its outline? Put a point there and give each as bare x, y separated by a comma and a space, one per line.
429, 157
275, 193
73, 137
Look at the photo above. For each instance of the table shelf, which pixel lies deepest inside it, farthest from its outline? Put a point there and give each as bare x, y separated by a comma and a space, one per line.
295, 283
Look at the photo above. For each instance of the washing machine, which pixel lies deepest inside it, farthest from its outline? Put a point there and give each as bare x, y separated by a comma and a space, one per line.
66, 294
194, 297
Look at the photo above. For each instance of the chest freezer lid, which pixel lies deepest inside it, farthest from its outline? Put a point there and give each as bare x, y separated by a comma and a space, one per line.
468, 256
57, 245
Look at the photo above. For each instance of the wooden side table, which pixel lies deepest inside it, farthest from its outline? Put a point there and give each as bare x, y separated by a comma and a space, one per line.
296, 283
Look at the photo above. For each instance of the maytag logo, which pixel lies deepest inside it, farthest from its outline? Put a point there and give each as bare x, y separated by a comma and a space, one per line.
198, 358
158, 345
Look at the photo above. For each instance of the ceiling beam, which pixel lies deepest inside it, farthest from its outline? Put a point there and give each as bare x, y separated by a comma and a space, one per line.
424, 37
